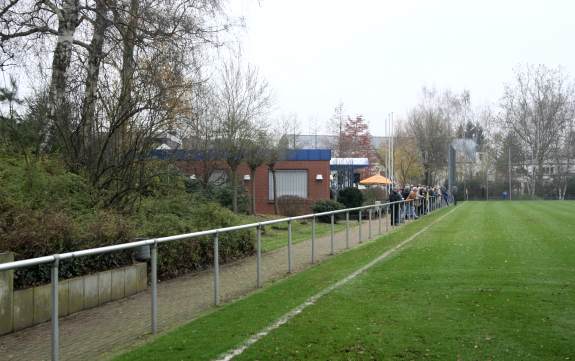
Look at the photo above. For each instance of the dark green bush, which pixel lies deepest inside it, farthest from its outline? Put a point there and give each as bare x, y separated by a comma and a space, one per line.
221, 194
350, 197
327, 206
35, 233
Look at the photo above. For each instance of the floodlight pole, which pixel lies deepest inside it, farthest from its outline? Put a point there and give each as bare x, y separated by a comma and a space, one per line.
392, 150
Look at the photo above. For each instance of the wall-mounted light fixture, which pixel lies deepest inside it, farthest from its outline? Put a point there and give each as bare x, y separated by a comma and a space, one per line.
193, 177
319, 177
247, 178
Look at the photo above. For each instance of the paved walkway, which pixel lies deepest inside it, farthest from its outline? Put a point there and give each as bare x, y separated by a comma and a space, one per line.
105, 331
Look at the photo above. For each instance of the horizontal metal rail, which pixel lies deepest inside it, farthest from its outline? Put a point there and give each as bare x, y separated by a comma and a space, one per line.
151, 241
398, 211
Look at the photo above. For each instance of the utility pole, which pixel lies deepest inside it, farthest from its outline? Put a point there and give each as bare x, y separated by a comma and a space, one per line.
388, 155
392, 150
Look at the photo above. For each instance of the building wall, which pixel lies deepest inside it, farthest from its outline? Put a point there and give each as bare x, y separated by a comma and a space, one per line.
316, 190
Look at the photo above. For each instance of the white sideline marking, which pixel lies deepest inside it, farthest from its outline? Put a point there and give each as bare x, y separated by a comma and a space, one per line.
312, 300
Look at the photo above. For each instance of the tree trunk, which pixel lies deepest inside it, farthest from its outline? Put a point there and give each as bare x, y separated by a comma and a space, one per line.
234, 190
95, 56
127, 73
253, 180
62, 57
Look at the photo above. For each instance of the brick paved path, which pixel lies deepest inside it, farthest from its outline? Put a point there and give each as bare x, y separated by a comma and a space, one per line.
105, 331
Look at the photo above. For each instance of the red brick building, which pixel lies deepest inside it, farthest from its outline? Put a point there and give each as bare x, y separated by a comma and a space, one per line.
304, 173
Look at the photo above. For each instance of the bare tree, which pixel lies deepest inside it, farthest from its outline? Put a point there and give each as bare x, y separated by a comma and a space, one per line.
244, 98
198, 125
278, 147
120, 72
563, 158
256, 155
335, 127
408, 166
292, 127
537, 106
432, 122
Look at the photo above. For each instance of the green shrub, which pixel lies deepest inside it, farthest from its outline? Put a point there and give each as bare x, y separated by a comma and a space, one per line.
350, 197
185, 213
221, 194
46, 210
291, 206
35, 233
326, 206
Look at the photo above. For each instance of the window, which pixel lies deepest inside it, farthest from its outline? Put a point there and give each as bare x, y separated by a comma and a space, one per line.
289, 183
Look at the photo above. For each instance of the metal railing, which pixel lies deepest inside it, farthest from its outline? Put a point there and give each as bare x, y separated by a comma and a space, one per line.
397, 211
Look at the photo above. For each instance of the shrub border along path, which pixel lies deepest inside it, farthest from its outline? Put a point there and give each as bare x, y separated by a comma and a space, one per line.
105, 331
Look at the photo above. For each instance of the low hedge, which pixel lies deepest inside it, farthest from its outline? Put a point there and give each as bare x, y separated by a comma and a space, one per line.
327, 206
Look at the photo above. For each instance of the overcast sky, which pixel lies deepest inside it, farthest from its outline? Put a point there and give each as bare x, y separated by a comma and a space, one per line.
375, 56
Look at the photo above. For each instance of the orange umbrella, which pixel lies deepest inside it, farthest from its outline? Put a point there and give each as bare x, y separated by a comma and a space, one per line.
375, 180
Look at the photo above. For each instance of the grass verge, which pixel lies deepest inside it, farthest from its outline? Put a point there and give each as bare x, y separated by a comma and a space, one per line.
494, 281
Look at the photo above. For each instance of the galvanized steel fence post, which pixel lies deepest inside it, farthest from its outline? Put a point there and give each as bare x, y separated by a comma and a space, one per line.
369, 224
216, 270
54, 311
289, 247
258, 256
332, 245
379, 219
359, 219
154, 281
346, 229
313, 240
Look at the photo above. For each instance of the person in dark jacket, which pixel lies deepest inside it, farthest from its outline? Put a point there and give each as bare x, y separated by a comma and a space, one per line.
394, 196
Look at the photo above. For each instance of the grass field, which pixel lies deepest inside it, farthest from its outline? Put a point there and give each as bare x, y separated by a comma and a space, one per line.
491, 281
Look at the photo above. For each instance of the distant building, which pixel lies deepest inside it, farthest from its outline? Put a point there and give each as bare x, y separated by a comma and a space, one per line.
304, 173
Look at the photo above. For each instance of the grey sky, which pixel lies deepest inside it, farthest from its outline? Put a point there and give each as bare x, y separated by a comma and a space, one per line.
376, 55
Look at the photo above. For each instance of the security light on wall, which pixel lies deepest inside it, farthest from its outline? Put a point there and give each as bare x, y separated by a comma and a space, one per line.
247, 178
193, 177
319, 177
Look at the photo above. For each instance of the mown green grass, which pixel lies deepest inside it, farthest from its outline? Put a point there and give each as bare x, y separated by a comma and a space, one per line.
492, 281
217, 332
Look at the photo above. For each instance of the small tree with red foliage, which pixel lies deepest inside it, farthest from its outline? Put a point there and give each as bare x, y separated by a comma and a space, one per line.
356, 140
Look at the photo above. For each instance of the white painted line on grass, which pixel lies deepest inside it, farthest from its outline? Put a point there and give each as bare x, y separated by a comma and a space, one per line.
313, 299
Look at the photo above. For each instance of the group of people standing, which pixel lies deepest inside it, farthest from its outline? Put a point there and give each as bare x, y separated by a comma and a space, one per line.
418, 201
